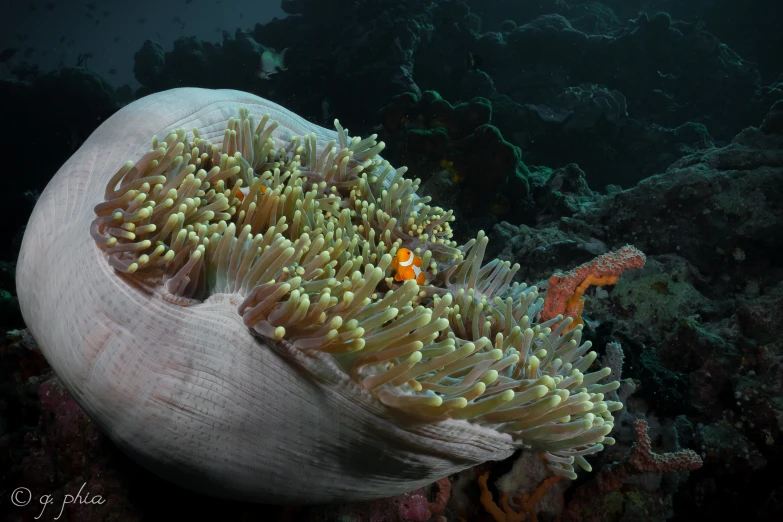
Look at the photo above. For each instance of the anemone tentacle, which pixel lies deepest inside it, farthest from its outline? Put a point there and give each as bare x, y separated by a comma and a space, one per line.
307, 249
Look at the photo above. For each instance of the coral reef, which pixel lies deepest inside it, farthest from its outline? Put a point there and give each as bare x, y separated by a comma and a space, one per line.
568, 96
77, 98
710, 353
593, 502
605, 123
436, 139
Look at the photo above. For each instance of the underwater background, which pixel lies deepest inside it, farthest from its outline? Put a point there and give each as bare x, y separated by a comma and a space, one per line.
563, 129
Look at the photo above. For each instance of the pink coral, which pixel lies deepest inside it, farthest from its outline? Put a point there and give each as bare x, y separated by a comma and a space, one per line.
641, 459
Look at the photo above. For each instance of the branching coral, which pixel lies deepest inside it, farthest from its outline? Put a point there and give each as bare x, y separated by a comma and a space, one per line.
588, 499
309, 259
526, 503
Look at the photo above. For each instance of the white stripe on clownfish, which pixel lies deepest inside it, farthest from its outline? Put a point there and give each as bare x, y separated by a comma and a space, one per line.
409, 262
241, 192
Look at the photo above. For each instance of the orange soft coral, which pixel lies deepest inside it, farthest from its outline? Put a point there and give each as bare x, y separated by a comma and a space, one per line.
565, 294
526, 502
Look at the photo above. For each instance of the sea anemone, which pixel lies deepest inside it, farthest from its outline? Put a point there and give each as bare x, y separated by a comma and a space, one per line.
223, 306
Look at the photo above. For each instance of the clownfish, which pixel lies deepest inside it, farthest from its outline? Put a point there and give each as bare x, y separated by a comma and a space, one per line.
408, 266
241, 192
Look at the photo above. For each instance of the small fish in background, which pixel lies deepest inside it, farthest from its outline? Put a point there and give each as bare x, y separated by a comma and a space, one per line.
7, 54
71, 42
325, 114
97, 22
88, 15
270, 63
28, 52
142, 20
32, 7
241, 15
90, 6
106, 14
44, 53
81, 60
188, 1
21, 37
62, 39
183, 25
159, 36
112, 71
116, 39
473, 61
177, 20
50, 6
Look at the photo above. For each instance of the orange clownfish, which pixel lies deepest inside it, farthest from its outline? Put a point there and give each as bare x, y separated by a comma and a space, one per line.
408, 266
241, 192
